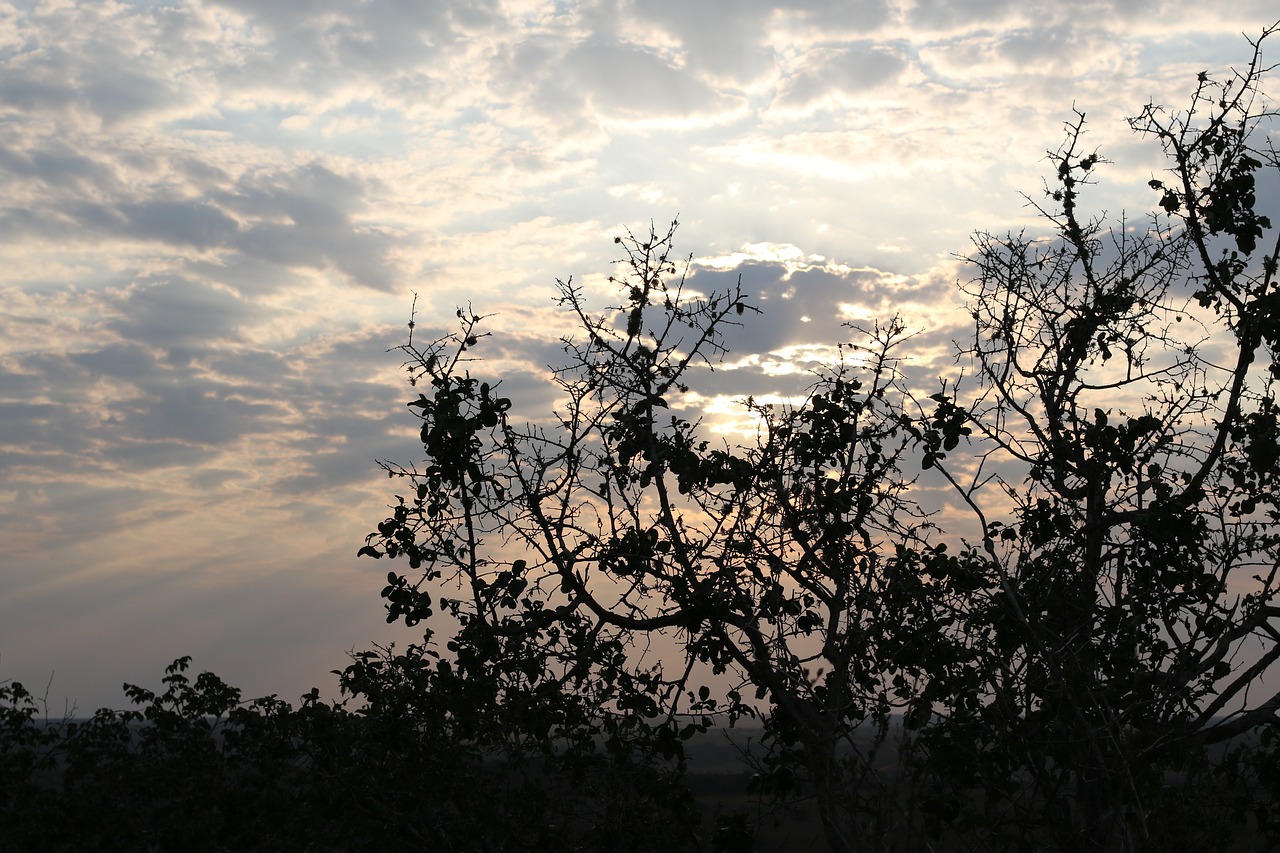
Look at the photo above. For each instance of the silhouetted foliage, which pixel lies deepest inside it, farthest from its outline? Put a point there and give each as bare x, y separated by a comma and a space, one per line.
194, 768
1066, 671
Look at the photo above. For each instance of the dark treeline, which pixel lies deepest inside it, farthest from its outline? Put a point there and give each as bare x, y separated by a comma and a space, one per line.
193, 768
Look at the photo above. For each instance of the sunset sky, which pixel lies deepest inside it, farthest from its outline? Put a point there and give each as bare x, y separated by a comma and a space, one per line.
215, 215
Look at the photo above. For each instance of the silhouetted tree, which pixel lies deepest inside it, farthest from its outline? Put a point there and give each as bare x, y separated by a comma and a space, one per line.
1057, 666
1125, 375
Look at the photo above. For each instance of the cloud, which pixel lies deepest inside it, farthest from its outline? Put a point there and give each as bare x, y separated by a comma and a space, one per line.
809, 299
961, 14
715, 40
586, 84
179, 315
296, 218
303, 218
1058, 52
625, 81
131, 69
846, 71
194, 223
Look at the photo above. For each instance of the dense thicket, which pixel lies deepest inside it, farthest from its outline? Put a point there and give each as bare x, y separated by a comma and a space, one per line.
194, 768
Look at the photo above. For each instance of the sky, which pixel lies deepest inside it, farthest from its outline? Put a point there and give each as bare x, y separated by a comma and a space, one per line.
215, 217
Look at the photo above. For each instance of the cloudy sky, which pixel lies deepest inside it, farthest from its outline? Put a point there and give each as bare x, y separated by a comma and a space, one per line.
215, 215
